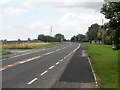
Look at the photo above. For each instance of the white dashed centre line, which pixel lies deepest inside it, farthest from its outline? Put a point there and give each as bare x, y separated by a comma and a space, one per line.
43, 73
32, 81
64, 57
57, 63
61, 60
51, 67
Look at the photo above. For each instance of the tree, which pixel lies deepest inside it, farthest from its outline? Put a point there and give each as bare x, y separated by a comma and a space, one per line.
111, 10
41, 37
44, 38
19, 40
80, 37
60, 36
5, 40
73, 39
29, 39
93, 32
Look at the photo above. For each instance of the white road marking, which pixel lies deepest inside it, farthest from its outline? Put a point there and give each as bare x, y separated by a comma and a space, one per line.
2, 69
21, 55
58, 50
61, 60
51, 67
64, 57
57, 63
67, 55
83, 53
64, 47
43, 73
32, 81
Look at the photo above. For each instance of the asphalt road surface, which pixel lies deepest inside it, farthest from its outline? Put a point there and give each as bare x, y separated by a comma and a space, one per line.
38, 69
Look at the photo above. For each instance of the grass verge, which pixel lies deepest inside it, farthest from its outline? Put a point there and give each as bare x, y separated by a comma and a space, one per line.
3, 52
105, 64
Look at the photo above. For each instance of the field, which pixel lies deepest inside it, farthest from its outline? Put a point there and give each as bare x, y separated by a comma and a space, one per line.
23, 45
105, 64
26, 46
29, 45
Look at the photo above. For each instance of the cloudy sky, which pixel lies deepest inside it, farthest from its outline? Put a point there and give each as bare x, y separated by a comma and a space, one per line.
20, 19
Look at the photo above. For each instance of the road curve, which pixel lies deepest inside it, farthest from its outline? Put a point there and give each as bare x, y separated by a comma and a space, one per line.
38, 69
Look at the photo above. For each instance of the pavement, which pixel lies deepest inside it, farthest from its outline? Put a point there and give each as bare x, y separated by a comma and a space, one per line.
78, 73
64, 66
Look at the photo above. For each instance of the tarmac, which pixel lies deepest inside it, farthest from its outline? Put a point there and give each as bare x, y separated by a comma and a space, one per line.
78, 72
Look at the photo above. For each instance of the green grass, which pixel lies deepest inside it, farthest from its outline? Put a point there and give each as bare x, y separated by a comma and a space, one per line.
105, 64
3, 52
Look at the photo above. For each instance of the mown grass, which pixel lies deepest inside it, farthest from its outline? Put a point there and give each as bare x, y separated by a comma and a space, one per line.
105, 64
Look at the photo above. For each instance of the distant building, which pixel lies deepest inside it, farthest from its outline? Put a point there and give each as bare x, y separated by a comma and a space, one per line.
101, 33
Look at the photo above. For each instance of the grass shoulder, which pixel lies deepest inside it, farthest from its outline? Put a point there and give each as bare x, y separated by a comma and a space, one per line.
4, 52
105, 64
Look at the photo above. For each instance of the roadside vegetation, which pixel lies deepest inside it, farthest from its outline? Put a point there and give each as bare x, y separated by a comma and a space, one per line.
29, 45
3, 52
105, 64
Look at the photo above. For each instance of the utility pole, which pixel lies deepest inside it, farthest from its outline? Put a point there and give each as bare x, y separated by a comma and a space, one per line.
50, 31
102, 32
102, 21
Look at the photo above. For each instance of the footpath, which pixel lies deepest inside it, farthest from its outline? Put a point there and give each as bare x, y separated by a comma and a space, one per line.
78, 73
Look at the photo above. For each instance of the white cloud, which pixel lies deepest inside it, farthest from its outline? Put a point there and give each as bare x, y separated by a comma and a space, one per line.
72, 24
21, 7
4, 2
63, 5
14, 11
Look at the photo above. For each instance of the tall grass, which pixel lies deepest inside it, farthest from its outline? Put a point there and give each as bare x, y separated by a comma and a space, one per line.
23, 45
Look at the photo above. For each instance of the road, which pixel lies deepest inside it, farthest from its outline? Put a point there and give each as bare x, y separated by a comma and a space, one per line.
40, 69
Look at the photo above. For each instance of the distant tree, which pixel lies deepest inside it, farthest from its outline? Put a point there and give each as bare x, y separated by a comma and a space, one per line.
73, 39
19, 40
64, 40
5, 40
85, 39
47, 38
80, 37
93, 32
41, 37
60, 36
29, 39
111, 10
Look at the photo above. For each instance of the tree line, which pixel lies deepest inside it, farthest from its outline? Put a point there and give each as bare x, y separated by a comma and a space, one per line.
57, 38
